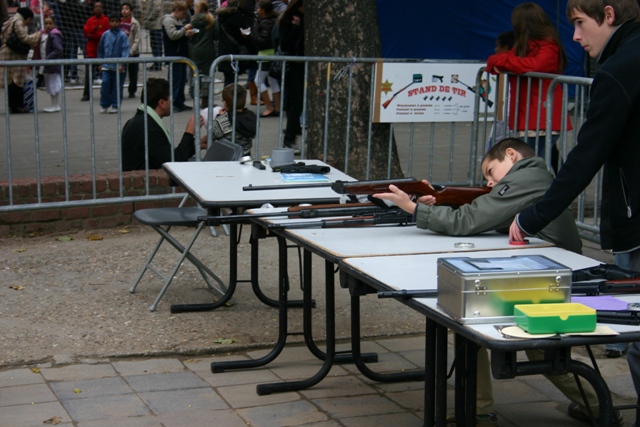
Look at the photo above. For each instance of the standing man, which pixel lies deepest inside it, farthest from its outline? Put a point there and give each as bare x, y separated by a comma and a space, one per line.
176, 43
153, 12
609, 31
131, 28
157, 143
93, 29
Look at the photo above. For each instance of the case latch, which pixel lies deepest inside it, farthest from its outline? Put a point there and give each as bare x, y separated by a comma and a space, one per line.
480, 290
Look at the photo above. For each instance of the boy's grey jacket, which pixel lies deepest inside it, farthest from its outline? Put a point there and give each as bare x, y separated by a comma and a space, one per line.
521, 187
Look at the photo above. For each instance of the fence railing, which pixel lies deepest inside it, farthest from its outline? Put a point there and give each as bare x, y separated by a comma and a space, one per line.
78, 141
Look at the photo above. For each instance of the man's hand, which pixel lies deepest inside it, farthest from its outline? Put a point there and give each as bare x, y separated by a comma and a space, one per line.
515, 233
191, 127
398, 198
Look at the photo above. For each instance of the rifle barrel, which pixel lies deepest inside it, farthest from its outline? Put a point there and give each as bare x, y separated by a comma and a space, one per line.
252, 187
420, 293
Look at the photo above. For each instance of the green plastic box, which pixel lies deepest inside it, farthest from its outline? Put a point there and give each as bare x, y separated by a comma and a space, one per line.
555, 318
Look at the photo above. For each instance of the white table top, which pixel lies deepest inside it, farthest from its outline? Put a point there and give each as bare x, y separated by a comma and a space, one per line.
416, 272
220, 184
348, 242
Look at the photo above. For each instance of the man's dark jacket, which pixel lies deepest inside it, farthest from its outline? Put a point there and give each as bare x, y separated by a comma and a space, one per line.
609, 136
159, 146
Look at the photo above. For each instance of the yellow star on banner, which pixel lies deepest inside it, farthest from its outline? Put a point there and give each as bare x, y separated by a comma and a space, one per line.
386, 87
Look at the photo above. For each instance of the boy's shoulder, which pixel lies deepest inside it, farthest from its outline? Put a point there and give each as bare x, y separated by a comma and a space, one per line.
530, 169
246, 113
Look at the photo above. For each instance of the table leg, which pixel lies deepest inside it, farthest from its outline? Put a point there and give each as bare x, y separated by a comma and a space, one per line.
441, 370
460, 366
264, 389
430, 391
471, 379
283, 289
358, 356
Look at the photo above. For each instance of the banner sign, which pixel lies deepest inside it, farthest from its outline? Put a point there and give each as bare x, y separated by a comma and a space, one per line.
428, 92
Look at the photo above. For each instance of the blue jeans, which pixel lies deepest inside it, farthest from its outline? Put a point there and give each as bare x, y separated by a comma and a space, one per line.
73, 40
109, 89
179, 81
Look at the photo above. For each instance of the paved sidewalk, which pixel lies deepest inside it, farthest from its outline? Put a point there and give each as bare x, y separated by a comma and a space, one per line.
180, 392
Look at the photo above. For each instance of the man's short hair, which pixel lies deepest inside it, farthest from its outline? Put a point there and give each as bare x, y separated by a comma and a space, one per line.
179, 5
127, 4
626, 10
157, 89
241, 98
115, 16
497, 152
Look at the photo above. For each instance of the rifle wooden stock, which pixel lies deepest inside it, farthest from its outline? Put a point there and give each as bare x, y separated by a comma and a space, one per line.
448, 196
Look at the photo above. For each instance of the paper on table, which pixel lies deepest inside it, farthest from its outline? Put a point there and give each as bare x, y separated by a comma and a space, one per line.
292, 178
518, 332
602, 302
600, 330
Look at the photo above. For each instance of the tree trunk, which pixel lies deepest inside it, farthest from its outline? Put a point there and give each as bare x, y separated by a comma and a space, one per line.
345, 29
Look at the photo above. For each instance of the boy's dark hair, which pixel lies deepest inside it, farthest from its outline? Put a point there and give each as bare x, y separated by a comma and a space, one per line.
266, 5
506, 39
626, 10
157, 89
241, 98
128, 5
115, 15
497, 152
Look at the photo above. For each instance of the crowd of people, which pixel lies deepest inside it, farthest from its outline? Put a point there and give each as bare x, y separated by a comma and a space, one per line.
109, 29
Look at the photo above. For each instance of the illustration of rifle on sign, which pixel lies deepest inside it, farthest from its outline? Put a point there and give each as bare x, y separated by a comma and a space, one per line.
356, 214
483, 94
417, 78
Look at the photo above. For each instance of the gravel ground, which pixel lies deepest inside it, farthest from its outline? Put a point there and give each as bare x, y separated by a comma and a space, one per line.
66, 297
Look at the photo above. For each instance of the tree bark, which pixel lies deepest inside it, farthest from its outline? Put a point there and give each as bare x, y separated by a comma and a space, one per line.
345, 29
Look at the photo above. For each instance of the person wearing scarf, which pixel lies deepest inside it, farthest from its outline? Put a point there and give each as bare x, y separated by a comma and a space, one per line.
160, 148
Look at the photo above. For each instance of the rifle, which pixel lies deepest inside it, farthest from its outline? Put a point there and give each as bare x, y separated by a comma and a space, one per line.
605, 279
391, 216
420, 293
618, 317
448, 196
445, 195
312, 211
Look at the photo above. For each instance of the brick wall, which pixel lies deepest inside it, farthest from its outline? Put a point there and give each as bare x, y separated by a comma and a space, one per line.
80, 188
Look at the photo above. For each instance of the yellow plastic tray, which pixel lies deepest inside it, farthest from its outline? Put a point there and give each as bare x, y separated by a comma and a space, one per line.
555, 318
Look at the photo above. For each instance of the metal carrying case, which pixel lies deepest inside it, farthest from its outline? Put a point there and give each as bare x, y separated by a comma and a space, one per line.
484, 290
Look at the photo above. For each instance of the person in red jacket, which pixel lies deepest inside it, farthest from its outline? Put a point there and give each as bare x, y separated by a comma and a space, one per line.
93, 30
537, 48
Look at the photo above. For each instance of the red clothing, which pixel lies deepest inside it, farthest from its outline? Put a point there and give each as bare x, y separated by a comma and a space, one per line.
543, 57
93, 30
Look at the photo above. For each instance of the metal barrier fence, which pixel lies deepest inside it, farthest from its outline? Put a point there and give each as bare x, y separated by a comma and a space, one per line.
79, 142
443, 153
